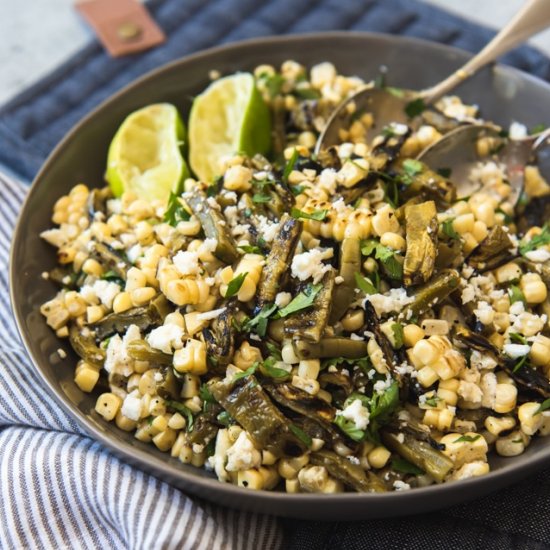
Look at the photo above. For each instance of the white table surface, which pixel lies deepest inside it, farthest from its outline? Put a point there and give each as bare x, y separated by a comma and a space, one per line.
38, 35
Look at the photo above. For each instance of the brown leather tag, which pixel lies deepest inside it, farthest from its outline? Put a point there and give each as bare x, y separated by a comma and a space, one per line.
123, 26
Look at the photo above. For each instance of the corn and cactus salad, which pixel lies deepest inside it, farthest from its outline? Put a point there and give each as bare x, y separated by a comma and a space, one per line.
316, 323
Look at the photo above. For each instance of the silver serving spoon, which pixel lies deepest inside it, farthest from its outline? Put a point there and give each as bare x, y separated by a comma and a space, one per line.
457, 152
388, 107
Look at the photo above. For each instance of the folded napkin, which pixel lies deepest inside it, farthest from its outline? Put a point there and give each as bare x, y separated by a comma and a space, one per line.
59, 489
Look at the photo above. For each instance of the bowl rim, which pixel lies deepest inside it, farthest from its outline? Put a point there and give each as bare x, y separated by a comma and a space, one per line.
166, 471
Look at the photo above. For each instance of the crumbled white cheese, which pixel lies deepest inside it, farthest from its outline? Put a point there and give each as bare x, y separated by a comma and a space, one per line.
117, 359
213, 203
356, 413
482, 361
394, 300
131, 407
517, 308
484, 312
61, 352
187, 263
398, 129
354, 336
209, 315
283, 299
468, 294
516, 350
209, 245
310, 264
399, 485
539, 255
267, 229
106, 292
166, 338
230, 213
88, 293
327, 180
381, 386
134, 253
114, 206
242, 455
517, 130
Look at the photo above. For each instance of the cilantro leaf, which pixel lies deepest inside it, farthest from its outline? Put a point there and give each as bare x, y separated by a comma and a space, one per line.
517, 338
432, 401
272, 82
520, 363
261, 198
259, 323
301, 435
411, 168
270, 370
467, 439
317, 215
183, 410
247, 372
398, 335
387, 257
274, 351
397, 92
545, 405
364, 284
235, 285
449, 230
290, 165
415, 107
112, 277
349, 428
224, 418
516, 295
537, 241
302, 301
306, 93
405, 467
206, 395
175, 212
250, 249
537, 129
383, 405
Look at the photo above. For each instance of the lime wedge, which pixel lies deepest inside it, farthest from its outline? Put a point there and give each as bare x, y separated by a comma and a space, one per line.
229, 117
145, 157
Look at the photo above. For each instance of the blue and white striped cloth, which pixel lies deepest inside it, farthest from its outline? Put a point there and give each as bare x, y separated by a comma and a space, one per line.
60, 489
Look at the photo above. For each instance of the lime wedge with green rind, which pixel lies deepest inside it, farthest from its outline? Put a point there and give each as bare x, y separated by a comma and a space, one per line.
229, 117
145, 154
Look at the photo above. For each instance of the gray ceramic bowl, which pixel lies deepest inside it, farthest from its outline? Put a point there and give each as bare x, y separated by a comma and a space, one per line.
502, 93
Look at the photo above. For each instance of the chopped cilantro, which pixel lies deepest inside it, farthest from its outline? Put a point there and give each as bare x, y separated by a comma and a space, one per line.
249, 371
415, 107
270, 370
274, 351
364, 284
113, 277
290, 165
520, 363
537, 129
272, 82
301, 435
467, 439
224, 418
250, 249
398, 335
307, 93
206, 395
317, 215
411, 168
349, 428
258, 324
261, 198
545, 405
432, 401
175, 212
297, 189
387, 257
517, 338
302, 301
183, 410
235, 285
538, 240
405, 467
449, 230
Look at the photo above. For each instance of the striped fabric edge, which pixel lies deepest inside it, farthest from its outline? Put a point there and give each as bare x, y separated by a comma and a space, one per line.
63, 490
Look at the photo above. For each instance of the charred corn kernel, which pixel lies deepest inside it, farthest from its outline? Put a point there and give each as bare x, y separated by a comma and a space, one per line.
193, 323
353, 320
122, 302
533, 288
246, 356
190, 386
186, 291
157, 406
393, 240
158, 425
432, 327
426, 376
186, 454
94, 314
529, 418
309, 369
147, 383
292, 486
270, 477
144, 233
464, 448
501, 321
107, 405
332, 486
412, 334
385, 221
142, 296
464, 223
469, 242
191, 358
425, 352
309, 386
485, 213
141, 366
177, 422
124, 423
238, 178
370, 265
377, 356
540, 351
461, 207
250, 479
440, 419
164, 440
378, 457
75, 304
92, 267
86, 376
143, 433
135, 278
508, 272
175, 318
178, 445
79, 259
288, 468
479, 231
512, 445
268, 458
496, 425
505, 398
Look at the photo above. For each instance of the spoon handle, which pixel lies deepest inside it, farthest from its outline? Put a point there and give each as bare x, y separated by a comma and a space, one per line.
531, 19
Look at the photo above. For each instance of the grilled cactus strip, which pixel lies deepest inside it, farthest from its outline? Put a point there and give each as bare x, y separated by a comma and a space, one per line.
350, 264
309, 324
421, 228
169, 386
418, 452
204, 427
142, 351
97, 200
329, 348
433, 292
431, 186
278, 261
250, 406
220, 338
213, 225
493, 251
85, 347
110, 260
348, 473
143, 316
